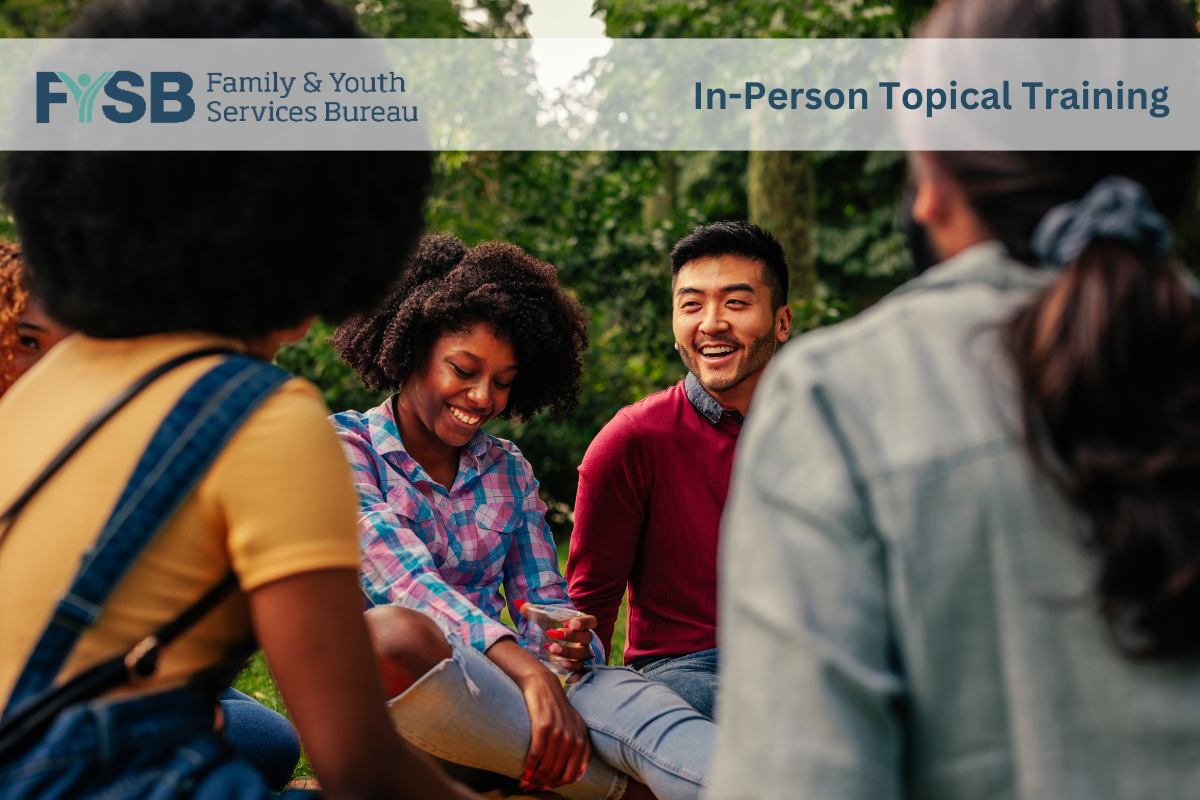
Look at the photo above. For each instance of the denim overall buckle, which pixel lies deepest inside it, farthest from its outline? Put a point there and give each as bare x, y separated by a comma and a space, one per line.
142, 660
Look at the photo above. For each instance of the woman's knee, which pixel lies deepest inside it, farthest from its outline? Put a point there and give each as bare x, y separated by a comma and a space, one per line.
407, 645
262, 737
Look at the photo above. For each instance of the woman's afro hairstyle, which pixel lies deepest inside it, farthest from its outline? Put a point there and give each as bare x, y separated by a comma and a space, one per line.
123, 244
447, 288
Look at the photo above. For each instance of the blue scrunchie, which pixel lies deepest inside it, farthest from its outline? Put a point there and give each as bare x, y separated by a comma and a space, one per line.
1115, 208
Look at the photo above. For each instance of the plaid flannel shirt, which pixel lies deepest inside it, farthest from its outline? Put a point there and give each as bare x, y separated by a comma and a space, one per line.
446, 553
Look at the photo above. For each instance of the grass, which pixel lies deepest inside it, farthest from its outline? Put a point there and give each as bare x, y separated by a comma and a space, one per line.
256, 681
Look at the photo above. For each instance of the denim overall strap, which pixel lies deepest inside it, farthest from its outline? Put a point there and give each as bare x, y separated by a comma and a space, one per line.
179, 454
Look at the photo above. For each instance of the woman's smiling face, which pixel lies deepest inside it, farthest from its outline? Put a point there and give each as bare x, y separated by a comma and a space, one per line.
464, 382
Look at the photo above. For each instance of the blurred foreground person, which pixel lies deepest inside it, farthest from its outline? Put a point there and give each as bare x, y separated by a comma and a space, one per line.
261, 736
962, 549
212, 506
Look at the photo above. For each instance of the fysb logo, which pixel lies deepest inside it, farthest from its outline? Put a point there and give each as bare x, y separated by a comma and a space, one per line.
166, 89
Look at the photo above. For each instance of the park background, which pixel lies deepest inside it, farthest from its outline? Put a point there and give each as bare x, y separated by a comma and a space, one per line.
608, 220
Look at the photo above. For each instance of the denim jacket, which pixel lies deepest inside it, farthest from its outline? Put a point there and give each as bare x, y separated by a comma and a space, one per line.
907, 607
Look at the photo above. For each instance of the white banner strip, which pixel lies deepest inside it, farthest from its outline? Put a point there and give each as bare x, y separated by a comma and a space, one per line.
644, 94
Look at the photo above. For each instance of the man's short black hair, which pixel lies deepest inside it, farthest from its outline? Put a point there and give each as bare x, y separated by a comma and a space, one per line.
736, 238
122, 244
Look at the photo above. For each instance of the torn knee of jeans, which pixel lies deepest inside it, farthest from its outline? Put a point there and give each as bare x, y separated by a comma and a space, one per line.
578, 679
460, 659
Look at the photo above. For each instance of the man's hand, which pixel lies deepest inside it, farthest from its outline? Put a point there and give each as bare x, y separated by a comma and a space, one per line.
574, 642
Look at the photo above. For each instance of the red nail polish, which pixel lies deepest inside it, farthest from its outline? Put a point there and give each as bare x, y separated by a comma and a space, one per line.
556, 633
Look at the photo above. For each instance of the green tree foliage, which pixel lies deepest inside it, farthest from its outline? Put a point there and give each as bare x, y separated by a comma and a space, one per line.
20, 19
428, 19
441, 19
702, 19
857, 249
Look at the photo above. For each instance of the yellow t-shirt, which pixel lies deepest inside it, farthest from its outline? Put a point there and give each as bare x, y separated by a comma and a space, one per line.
278, 501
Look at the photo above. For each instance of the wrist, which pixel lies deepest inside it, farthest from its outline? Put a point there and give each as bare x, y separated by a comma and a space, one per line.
520, 665
538, 678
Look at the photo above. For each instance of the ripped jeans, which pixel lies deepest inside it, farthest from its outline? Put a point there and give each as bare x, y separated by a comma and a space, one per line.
467, 711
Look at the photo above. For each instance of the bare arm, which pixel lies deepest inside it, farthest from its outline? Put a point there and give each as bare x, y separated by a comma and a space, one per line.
311, 628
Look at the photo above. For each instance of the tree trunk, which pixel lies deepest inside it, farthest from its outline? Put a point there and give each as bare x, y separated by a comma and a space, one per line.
779, 190
661, 205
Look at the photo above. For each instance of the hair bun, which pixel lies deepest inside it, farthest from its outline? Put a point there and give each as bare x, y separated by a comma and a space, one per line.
1116, 207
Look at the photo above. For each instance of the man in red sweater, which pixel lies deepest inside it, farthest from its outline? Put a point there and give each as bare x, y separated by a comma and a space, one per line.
652, 485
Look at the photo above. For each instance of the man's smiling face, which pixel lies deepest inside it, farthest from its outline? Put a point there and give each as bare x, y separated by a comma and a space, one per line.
725, 328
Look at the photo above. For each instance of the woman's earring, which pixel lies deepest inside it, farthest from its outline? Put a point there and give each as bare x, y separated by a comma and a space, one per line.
677, 345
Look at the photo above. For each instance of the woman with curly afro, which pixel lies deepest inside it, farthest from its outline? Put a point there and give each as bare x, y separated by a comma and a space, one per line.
452, 530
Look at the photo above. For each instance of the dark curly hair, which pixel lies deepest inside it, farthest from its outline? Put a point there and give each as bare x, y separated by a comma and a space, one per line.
447, 288
13, 298
122, 244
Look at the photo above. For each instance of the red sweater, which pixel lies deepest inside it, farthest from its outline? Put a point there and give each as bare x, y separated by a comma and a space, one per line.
651, 490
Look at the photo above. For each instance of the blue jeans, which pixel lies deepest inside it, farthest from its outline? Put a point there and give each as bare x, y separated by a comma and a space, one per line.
693, 676
151, 747
467, 711
262, 737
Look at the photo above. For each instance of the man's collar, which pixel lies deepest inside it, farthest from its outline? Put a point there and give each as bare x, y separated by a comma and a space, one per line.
704, 402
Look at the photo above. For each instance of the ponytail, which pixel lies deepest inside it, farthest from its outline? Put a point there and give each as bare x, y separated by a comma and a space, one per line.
1108, 363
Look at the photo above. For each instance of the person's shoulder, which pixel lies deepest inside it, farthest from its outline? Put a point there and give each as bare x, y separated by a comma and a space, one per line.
502, 449
920, 375
652, 410
362, 429
284, 490
653, 415
350, 420
971, 291
288, 444
502, 455
654, 404
293, 415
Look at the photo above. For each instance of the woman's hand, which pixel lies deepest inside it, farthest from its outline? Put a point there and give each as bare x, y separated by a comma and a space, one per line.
560, 748
574, 642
